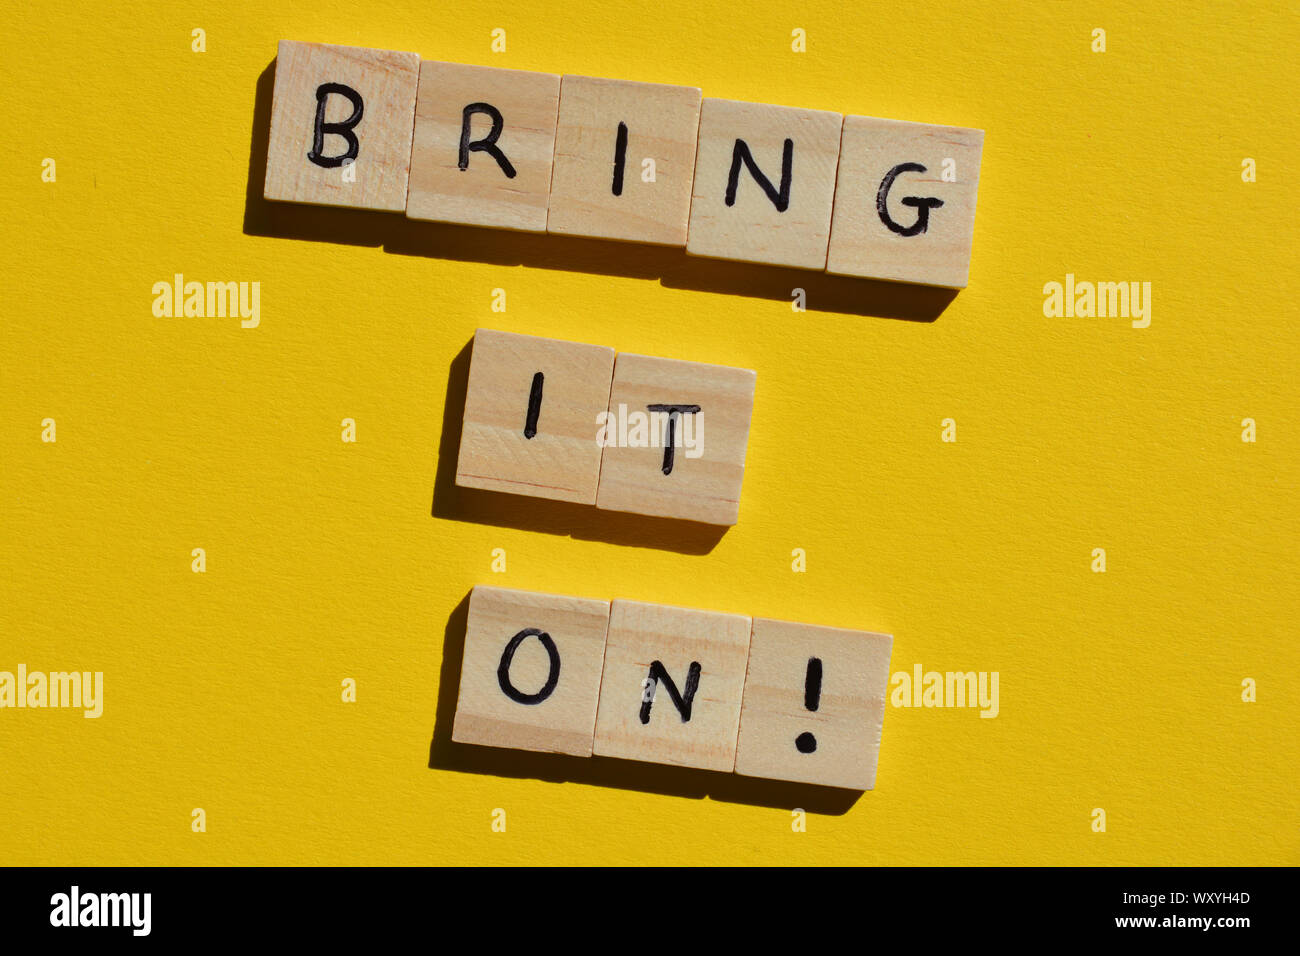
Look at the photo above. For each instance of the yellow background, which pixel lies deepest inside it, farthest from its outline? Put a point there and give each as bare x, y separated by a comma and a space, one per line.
222, 690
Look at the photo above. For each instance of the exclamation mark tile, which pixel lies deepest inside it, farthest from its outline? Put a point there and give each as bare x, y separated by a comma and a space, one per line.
814, 704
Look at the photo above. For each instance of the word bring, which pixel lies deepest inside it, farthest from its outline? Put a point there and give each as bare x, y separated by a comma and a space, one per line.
620, 160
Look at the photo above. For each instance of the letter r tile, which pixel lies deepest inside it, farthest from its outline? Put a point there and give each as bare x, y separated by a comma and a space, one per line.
532, 414
530, 676
341, 126
905, 202
483, 147
672, 685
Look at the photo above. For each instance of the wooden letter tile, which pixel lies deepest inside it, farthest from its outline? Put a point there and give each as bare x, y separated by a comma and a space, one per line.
697, 475
484, 141
905, 202
530, 678
610, 132
672, 685
341, 126
814, 704
532, 413
764, 183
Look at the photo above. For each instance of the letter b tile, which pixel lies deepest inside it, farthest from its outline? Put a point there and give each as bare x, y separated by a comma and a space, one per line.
341, 126
530, 677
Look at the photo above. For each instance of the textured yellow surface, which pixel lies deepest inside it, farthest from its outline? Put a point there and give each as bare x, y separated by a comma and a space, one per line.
326, 560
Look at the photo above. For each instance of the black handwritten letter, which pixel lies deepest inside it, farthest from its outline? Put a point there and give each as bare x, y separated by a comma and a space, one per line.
488, 144
344, 129
740, 154
620, 158
508, 655
534, 405
922, 206
658, 673
673, 411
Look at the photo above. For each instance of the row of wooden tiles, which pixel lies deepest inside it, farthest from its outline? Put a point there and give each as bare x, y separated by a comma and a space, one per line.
620, 160
581, 423
757, 697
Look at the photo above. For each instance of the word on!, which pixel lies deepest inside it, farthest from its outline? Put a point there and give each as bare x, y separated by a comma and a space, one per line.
668, 685
613, 159
624, 432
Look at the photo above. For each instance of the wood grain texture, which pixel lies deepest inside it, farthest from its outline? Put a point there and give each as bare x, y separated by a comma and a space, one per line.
640, 634
847, 723
661, 125
862, 244
753, 228
699, 488
483, 193
386, 82
562, 459
565, 720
